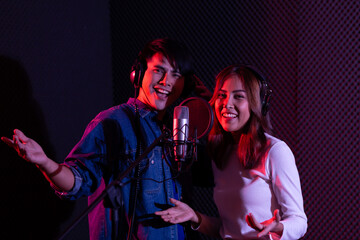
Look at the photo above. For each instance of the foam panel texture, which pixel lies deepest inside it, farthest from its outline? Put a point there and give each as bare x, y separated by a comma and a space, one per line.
309, 52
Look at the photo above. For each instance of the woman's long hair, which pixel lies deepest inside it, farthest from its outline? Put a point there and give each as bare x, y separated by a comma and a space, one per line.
253, 144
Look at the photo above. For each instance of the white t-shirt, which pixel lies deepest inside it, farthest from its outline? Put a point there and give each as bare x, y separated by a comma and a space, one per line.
275, 184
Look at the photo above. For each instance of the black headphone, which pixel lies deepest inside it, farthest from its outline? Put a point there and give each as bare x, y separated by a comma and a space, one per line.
265, 90
137, 71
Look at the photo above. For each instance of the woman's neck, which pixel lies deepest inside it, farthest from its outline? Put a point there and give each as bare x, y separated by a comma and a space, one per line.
236, 136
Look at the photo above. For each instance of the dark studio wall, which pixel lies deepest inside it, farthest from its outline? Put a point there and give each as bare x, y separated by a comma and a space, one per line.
55, 74
60, 64
308, 50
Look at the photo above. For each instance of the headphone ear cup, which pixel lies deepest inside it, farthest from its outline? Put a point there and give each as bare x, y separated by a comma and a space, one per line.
264, 108
132, 76
265, 101
265, 90
136, 74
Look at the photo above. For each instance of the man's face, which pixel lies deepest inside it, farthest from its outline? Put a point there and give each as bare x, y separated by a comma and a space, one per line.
162, 85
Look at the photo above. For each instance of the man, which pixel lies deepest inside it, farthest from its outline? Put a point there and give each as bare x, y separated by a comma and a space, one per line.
162, 72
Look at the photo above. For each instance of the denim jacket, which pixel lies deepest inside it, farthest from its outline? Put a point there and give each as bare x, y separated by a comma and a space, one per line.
89, 164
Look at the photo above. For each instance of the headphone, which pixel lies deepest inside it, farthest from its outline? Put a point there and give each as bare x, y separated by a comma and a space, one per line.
137, 71
265, 90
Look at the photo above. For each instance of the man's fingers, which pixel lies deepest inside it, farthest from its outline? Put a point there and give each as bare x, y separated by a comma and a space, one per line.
165, 216
167, 211
8, 141
174, 201
21, 135
162, 213
17, 141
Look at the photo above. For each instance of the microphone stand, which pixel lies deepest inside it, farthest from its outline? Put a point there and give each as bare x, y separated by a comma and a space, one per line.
110, 189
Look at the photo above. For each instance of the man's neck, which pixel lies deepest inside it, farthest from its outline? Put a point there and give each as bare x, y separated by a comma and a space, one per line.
161, 113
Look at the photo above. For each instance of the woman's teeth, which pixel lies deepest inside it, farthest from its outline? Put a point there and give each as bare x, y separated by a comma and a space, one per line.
229, 115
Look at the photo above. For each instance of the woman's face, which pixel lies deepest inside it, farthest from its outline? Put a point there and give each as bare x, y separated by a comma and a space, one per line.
232, 106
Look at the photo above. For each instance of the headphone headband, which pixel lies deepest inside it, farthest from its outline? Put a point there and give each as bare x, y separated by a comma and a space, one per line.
265, 90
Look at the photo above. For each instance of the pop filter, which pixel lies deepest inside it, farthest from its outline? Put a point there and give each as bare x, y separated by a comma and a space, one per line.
201, 116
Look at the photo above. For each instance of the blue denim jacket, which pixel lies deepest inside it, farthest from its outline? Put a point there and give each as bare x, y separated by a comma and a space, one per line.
88, 162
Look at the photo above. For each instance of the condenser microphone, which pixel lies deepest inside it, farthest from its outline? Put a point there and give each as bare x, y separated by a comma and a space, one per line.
180, 134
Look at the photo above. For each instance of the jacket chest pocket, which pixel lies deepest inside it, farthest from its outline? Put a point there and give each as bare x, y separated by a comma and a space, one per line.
152, 172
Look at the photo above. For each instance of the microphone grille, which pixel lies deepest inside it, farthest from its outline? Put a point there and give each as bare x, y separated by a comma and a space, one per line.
181, 112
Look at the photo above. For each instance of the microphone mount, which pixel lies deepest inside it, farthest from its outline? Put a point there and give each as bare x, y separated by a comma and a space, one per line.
184, 163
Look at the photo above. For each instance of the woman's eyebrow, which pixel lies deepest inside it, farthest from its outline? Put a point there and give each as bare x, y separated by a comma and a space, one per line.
240, 90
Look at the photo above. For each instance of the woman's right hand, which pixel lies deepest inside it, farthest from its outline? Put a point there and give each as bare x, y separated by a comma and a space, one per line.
180, 213
271, 225
27, 148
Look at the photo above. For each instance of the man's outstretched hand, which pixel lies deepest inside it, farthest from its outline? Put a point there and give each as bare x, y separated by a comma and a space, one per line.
27, 148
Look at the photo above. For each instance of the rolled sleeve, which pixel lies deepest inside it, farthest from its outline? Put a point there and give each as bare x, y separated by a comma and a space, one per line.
77, 184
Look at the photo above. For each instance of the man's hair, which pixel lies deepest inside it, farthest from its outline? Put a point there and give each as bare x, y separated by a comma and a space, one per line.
175, 52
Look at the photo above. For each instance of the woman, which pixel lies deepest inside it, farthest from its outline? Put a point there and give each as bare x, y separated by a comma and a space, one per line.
257, 186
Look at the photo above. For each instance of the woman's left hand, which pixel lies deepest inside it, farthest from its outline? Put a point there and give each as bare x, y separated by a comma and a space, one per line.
271, 225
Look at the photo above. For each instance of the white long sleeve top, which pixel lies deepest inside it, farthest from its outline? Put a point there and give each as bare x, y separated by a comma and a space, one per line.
275, 184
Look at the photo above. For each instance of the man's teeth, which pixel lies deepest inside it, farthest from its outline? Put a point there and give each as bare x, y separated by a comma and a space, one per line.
230, 115
162, 91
